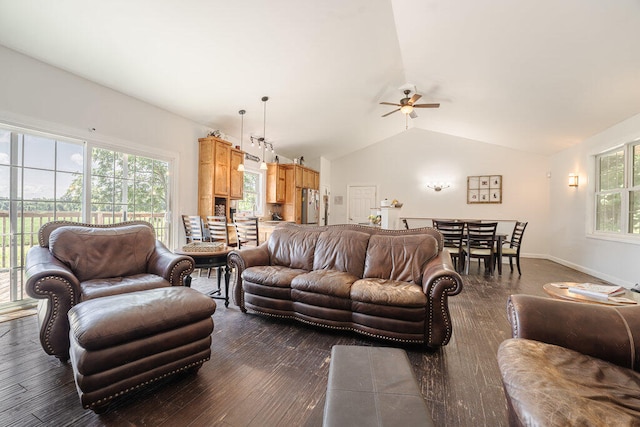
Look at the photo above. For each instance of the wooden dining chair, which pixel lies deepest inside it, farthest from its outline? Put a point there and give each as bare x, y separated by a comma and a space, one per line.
247, 232
218, 231
513, 251
481, 238
193, 229
453, 234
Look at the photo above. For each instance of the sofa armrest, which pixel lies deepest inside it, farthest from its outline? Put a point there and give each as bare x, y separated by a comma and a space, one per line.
605, 332
49, 279
439, 281
172, 267
239, 260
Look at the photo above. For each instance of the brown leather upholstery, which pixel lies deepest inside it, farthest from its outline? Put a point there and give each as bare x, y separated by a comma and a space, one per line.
122, 342
391, 284
571, 363
76, 262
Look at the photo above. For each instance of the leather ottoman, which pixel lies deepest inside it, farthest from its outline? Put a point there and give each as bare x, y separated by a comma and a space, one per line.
122, 342
373, 386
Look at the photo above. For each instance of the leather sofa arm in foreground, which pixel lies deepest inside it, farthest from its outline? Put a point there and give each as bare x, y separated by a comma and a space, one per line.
605, 332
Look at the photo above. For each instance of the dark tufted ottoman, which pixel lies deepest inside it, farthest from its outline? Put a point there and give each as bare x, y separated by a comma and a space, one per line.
122, 342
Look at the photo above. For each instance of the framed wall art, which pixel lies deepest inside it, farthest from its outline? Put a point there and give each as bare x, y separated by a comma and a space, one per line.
484, 189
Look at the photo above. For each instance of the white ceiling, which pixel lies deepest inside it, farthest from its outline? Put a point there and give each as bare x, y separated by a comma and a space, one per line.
536, 75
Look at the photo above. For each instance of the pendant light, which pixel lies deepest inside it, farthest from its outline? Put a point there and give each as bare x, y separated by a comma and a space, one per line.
241, 165
263, 165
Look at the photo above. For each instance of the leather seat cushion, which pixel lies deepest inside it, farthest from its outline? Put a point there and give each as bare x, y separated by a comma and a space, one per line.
554, 386
388, 292
98, 288
109, 321
272, 275
327, 282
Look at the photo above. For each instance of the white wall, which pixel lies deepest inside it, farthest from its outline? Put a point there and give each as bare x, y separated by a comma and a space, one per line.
571, 211
42, 97
402, 165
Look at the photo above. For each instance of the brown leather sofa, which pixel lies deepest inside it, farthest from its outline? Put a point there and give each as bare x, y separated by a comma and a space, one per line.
571, 363
390, 284
76, 262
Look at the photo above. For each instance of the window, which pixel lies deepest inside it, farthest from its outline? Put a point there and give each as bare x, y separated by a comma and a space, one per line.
125, 187
41, 180
617, 195
252, 196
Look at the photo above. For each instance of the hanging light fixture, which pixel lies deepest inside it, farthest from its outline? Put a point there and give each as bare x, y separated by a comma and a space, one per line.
241, 165
263, 165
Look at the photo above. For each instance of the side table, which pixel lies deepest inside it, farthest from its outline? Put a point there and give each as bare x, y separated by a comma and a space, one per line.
560, 290
214, 259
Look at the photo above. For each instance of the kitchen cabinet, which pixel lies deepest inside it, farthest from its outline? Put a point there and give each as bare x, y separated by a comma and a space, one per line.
296, 178
276, 183
217, 182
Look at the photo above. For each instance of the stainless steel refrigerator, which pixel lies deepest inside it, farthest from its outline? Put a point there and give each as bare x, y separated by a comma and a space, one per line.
310, 206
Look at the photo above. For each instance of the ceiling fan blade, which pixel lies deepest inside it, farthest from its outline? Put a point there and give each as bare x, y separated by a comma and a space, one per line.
413, 115
414, 98
389, 103
385, 115
426, 105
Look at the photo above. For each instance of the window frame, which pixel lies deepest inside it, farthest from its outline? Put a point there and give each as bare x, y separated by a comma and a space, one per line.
625, 234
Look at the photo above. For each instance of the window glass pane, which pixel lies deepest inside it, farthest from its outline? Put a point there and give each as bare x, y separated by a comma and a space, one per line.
101, 190
70, 157
69, 211
608, 212
251, 199
636, 165
69, 186
634, 212
39, 152
612, 171
4, 181
38, 184
102, 162
5, 146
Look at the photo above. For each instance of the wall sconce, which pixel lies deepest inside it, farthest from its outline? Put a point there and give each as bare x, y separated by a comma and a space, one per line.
438, 186
573, 180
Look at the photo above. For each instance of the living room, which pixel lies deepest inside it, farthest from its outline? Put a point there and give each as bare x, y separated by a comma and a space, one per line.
380, 151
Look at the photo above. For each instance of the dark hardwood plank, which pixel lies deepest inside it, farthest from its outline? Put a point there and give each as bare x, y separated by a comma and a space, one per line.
270, 372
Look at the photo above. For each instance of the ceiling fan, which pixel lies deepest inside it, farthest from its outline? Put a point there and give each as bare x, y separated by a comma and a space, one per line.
407, 105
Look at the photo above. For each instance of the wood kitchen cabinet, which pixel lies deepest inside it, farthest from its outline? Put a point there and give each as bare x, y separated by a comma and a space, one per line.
276, 183
217, 182
296, 178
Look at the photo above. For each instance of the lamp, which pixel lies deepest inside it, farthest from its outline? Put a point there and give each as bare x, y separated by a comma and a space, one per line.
406, 109
573, 180
438, 186
241, 165
263, 165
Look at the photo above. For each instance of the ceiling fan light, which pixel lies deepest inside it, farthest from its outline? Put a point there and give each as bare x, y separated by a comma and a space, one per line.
406, 109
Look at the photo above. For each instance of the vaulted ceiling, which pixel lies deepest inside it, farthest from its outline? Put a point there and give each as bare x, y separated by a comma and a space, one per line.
535, 75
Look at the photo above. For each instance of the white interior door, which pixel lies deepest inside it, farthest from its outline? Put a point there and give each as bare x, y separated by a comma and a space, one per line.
361, 199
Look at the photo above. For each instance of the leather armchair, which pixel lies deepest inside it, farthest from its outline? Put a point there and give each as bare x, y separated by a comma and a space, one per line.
76, 262
571, 363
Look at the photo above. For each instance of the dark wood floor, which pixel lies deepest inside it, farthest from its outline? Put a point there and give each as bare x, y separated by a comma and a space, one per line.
266, 372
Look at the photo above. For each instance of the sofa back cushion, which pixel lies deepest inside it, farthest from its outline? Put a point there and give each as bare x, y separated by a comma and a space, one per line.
293, 247
399, 258
99, 253
341, 250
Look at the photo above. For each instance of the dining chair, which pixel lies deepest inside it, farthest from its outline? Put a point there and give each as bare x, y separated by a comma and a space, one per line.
453, 234
481, 238
513, 251
193, 229
247, 232
218, 231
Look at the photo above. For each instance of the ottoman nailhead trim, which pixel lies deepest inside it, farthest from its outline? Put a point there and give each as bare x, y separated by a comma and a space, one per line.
107, 399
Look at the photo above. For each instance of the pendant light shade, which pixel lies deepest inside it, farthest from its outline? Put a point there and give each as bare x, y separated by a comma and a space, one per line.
263, 165
241, 165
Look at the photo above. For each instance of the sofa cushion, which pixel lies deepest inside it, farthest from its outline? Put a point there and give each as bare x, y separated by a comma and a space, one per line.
548, 385
388, 292
342, 250
98, 288
293, 248
327, 282
271, 275
400, 258
98, 253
